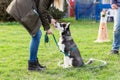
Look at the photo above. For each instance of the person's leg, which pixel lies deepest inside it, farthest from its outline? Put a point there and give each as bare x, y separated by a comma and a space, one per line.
33, 63
116, 35
34, 44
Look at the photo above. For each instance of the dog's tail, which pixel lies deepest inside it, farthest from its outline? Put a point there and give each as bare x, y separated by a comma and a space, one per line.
90, 61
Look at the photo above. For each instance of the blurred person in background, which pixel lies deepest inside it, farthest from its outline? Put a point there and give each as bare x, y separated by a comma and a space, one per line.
115, 4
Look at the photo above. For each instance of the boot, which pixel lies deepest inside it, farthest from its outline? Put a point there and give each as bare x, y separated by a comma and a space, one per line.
34, 66
40, 64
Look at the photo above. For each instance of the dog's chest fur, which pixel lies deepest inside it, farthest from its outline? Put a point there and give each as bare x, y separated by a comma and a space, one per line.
66, 43
61, 45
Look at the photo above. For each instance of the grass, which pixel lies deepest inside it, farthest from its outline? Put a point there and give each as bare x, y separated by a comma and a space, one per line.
14, 54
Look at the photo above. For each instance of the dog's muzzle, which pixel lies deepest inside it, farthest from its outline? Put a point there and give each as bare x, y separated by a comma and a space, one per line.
56, 24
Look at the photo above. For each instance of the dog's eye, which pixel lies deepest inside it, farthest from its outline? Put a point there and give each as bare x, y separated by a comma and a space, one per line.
60, 25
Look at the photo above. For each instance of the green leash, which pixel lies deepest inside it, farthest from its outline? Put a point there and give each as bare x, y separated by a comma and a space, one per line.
46, 40
66, 54
55, 40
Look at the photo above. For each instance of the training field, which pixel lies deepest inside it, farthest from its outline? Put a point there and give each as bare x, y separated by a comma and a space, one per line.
14, 54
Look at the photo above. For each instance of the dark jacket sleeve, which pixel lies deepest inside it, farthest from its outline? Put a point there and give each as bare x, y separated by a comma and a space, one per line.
44, 14
114, 2
50, 17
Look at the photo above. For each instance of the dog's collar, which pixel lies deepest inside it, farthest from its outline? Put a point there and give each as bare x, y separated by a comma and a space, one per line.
73, 47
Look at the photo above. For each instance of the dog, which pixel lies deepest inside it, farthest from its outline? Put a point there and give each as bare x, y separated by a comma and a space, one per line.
72, 56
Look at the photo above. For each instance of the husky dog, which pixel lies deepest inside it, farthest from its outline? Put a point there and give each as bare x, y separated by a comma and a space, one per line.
67, 45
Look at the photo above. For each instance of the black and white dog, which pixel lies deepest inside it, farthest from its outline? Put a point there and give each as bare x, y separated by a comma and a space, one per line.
67, 45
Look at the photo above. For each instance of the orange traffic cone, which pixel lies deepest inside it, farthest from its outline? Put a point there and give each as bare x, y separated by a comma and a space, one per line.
102, 33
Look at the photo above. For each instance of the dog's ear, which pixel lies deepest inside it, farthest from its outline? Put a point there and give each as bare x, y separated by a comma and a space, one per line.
68, 24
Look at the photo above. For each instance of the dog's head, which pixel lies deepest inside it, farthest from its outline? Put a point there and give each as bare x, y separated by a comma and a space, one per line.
62, 27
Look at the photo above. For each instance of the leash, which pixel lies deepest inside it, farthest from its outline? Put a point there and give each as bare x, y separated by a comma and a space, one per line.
55, 40
90, 61
46, 40
103, 63
66, 54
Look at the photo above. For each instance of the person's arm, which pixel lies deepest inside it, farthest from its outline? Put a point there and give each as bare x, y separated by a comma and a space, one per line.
43, 8
49, 17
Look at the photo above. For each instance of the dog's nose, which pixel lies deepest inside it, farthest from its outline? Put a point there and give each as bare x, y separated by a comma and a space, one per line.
55, 26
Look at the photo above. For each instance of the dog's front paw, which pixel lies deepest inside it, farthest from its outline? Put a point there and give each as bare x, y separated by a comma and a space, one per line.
63, 65
67, 66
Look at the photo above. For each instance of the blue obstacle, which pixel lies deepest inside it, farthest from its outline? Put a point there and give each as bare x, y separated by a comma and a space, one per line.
88, 9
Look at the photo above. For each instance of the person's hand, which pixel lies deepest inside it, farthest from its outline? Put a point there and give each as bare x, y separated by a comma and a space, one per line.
49, 31
53, 22
114, 6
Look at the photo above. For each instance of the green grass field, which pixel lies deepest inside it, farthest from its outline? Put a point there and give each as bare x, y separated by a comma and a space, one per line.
14, 54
